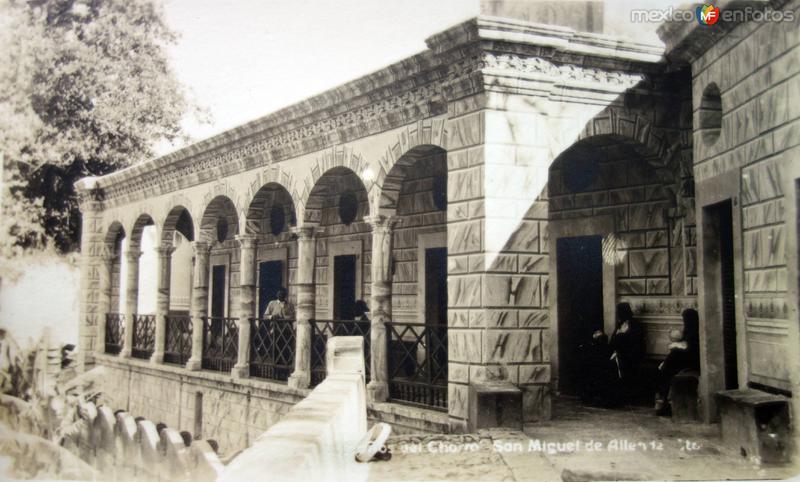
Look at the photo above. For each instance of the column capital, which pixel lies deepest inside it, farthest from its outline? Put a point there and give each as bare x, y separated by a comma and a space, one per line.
247, 240
382, 221
165, 250
201, 247
307, 231
133, 254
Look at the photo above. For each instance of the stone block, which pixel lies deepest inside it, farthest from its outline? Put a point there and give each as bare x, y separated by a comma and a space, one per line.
652, 262
494, 404
513, 346
683, 396
463, 345
457, 403
464, 291
755, 424
535, 403
534, 318
464, 237
534, 374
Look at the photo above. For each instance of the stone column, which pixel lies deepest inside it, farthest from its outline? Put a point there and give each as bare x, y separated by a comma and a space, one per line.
247, 302
131, 296
105, 269
306, 254
164, 271
381, 304
199, 303
92, 231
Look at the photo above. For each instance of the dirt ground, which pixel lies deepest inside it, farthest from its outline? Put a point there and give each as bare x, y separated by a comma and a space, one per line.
579, 444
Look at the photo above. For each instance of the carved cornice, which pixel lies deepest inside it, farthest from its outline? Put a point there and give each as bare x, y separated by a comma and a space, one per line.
462, 61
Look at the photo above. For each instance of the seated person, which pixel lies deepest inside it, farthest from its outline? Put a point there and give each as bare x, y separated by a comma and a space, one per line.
601, 377
679, 358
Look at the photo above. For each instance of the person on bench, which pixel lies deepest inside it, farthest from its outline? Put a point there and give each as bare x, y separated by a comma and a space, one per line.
684, 354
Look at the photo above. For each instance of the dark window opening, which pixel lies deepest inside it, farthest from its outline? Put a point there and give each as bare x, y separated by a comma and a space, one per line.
344, 287
348, 207
277, 220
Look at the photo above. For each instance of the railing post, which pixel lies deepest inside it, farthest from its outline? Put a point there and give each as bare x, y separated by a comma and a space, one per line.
247, 305
164, 271
199, 303
306, 254
131, 297
381, 306
104, 299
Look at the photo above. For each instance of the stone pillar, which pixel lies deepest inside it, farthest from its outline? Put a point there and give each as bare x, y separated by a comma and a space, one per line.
381, 304
131, 296
91, 250
164, 271
306, 254
104, 298
247, 302
199, 303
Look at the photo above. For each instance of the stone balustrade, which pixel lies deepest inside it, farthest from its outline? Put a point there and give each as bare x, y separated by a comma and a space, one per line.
317, 439
121, 448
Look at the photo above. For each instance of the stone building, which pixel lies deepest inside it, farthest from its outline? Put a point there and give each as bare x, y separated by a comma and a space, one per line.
491, 199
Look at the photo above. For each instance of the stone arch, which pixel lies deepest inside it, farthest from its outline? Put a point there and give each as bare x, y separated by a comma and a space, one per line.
113, 239
392, 182
429, 132
142, 221
220, 207
262, 201
665, 151
179, 219
329, 184
339, 157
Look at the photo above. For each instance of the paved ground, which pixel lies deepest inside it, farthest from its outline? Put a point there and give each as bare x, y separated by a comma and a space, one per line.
580, 443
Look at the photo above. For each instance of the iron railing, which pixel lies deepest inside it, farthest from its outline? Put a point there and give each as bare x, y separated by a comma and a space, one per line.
321, 330
220, 343
144, 336
417, 361
178, 343
271, 348
115, 333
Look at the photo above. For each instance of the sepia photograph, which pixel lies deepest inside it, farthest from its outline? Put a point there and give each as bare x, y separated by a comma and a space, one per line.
399, 240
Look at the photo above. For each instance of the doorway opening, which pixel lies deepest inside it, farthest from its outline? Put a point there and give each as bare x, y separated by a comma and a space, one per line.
720, 219
270, 280
344, 287
218, 291
579, 263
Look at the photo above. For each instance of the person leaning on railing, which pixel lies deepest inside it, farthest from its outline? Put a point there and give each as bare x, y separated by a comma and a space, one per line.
280, 308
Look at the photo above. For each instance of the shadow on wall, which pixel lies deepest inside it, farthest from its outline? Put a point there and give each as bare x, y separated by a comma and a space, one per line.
41, 290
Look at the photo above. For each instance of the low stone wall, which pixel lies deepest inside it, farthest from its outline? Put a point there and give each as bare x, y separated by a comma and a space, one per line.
318, 438
121, 448
234, 412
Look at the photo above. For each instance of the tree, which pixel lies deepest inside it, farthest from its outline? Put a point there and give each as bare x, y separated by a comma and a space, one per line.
85, 89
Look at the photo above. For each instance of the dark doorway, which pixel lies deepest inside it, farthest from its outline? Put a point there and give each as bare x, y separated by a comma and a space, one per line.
722, 220
270, 280
218, 290
436, 286
344, 287
580, 303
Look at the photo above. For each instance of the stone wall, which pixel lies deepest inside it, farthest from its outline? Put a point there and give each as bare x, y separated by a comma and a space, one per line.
755, 68
210, 405
653, 247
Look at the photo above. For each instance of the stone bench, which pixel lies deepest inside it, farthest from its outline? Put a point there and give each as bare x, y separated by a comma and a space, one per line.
683, 394
755, 423
495, 404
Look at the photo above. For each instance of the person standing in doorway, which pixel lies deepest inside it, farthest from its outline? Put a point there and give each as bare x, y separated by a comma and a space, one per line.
279, 308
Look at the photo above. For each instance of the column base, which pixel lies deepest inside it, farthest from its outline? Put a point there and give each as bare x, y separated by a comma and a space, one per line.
241, 371
193, 364
299, 380
377, 392
125, 353
157, 358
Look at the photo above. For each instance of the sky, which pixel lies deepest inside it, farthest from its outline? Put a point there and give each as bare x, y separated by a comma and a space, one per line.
245, 59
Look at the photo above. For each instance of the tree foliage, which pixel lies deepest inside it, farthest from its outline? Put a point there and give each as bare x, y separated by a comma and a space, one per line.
85, 89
